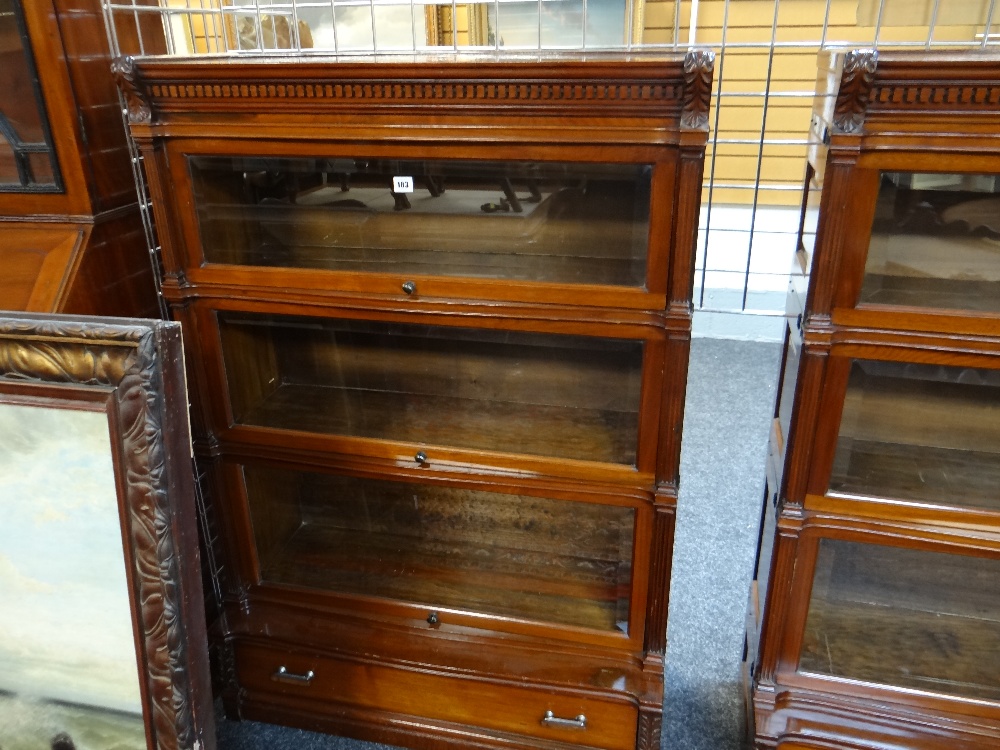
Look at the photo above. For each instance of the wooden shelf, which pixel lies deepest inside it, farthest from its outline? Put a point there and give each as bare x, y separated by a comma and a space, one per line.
535, 429
922, 473
904, 617
922, 650
537, 585
551, 223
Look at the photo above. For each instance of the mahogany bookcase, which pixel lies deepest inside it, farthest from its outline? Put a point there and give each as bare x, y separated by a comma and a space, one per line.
874, 619
438, 317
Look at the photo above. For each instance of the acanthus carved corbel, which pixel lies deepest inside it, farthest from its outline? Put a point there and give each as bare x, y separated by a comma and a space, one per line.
126, 76
856, 82
699, 64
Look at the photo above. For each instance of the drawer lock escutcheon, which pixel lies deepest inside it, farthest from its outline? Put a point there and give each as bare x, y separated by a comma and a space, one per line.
283, 675
551, 720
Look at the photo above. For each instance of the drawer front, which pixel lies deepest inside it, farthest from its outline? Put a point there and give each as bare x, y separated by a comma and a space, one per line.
296, 675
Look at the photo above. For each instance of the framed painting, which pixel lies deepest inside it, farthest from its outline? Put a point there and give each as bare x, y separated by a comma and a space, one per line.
102, 629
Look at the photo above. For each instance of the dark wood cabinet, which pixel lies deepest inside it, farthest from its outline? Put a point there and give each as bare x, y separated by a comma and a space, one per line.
71, 234
875, 614
438, 318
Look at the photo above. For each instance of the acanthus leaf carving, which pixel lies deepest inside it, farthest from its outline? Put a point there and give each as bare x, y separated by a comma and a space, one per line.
856, 81
699, 65
126, 76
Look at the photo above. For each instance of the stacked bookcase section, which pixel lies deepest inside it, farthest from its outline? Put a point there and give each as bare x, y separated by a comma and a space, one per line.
875, 613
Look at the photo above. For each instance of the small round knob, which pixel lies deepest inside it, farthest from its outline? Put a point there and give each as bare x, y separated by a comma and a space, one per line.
420, 458
409, 287
432, 618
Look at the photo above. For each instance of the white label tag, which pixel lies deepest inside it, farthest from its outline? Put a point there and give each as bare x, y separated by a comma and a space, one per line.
402, 184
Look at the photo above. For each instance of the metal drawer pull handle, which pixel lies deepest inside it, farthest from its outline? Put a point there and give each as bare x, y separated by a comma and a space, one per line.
551, 720
283, 675
409, 287
420, 458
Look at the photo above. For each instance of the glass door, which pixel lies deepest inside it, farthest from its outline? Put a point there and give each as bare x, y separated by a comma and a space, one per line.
920, 432
572, 223
935, 242
27, 158
552, 395
908, 618
498, 553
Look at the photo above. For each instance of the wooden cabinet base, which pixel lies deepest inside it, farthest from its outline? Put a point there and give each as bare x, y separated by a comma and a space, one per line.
434, 686
798, 719
420, 705
404, 730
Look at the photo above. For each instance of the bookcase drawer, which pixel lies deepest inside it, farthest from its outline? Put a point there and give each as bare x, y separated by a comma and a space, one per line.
576, 719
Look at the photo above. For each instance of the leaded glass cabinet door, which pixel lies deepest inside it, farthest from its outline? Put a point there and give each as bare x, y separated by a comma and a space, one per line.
27, 155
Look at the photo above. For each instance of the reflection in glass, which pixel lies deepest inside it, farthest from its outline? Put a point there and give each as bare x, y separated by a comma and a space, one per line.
920, 432
446, 25
935, 242
808, 223
905, 617
67, 649
27, 161
507, 555
542, 394
571, 223
422, 25
789, 377
765, 544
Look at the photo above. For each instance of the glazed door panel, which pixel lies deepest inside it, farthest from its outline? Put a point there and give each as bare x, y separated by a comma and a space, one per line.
553, 222
500, 554
920, 432
935, 242
908, 618
550, 395
27, 156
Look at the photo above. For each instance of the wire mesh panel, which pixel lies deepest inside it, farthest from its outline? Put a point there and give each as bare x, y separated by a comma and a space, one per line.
762, 100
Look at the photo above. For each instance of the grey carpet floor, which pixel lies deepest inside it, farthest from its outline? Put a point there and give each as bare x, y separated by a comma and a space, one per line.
731, 386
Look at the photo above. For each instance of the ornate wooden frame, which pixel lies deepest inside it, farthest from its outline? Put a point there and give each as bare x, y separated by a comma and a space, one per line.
134, 369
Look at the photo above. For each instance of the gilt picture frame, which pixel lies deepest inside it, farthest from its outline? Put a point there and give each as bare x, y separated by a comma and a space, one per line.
99, 558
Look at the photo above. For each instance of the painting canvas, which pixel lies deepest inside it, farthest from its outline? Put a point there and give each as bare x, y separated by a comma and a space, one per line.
102, 631
67, 648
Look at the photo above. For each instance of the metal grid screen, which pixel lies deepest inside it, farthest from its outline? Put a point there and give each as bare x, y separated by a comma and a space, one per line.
763, 96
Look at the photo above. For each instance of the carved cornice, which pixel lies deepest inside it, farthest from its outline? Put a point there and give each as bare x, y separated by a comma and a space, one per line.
413, 93
126, 76
125, 358
906, 95
856, 82
648, 86
699, 65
